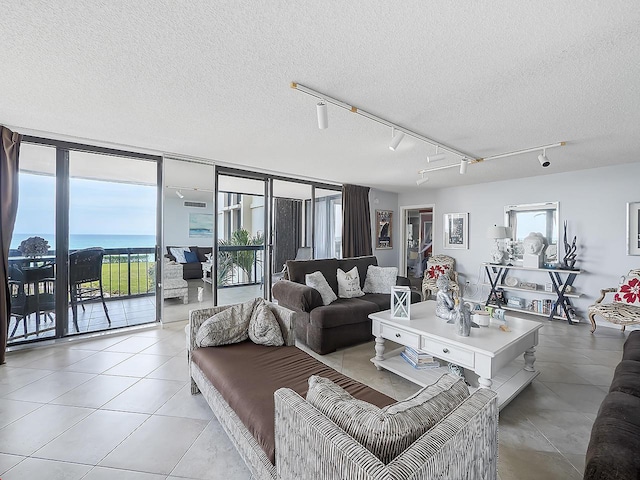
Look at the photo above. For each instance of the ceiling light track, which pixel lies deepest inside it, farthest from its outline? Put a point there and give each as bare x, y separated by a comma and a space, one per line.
397, 128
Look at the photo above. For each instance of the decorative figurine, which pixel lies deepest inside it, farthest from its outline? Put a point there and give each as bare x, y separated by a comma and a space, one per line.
445, 307
463, 321
569, 259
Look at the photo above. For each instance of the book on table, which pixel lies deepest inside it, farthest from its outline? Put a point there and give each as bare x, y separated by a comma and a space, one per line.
419, 366
418, 356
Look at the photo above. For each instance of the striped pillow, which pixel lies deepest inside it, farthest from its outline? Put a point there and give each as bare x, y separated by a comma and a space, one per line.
389, 431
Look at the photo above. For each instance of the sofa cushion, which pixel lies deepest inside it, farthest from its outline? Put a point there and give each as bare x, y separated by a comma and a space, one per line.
190, 257
614, 445
389, 431
344, 311
629, 291
380, 279
631, 350
264, 329
627, 378
178, 253
349, 283
319, 282
247, 375
297, 269
228, 326
361, 263
202, 253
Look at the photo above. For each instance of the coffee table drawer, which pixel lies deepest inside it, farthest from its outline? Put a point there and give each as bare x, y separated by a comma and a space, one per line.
448, 352
398, 335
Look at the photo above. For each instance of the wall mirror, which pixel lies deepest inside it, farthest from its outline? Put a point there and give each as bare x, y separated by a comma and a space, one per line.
534, 217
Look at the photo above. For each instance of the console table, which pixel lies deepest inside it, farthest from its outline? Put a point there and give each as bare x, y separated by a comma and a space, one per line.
488, 352
497, 274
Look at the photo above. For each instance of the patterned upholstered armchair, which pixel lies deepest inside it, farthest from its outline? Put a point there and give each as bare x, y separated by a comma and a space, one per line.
436, 265
625, 308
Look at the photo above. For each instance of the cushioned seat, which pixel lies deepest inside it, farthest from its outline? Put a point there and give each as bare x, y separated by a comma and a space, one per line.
246, 375
343, 311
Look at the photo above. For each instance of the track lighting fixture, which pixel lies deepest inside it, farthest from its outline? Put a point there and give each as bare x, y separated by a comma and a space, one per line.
397, 137
422, 180
179, 194
435, 157
542, 158
464, 163
323, 116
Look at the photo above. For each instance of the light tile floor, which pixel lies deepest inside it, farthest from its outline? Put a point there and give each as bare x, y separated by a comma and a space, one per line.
119, 406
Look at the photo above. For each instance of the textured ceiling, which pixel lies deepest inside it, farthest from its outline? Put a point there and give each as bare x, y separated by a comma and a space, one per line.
211, 80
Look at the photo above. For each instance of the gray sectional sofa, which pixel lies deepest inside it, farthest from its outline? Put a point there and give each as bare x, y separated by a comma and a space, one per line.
343, 323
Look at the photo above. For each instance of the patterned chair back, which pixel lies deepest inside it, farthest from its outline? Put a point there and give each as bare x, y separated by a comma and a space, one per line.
439, 264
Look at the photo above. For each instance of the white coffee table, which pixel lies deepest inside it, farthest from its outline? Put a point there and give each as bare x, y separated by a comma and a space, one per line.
206, 272
488, 351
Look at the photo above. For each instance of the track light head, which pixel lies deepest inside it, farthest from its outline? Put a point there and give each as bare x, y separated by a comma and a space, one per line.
436, 156
179, 194
422, 180
323, 116
397, 138
542, 158
464, 163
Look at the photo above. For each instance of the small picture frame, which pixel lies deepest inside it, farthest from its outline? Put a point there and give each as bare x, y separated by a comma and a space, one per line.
400, 303
456, 230
633, 230
384, 229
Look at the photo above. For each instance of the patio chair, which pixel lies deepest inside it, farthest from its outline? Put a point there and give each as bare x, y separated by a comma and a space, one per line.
616, 312
85, 280
31, 291
436, 265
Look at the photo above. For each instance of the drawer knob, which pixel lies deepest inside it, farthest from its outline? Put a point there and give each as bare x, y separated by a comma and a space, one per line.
398, 335
445, 350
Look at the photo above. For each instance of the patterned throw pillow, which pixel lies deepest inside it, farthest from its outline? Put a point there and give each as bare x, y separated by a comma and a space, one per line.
380, 279
316, 280
264, 329
433, 271
228, 326
629, 291
349, 283
389, 431
178, 253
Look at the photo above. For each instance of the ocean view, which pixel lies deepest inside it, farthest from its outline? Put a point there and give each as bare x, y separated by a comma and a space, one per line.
78, 241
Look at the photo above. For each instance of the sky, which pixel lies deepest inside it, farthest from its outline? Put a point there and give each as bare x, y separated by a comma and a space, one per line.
96, 207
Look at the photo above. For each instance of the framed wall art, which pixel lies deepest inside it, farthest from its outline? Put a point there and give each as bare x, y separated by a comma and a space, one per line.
633, 231
456, 230
384, 229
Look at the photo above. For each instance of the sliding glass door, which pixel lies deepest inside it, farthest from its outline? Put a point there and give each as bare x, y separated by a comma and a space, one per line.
83, 254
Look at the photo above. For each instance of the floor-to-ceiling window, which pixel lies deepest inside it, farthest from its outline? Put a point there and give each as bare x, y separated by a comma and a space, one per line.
328, 224
82, 256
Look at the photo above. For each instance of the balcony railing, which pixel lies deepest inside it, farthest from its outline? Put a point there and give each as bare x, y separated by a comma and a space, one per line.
128, 272
240, 265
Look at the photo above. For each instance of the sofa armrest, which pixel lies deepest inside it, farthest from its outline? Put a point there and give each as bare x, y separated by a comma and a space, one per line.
197, 318
296, 296
463, 445
286, 319
403, 281
604, 291
307, 441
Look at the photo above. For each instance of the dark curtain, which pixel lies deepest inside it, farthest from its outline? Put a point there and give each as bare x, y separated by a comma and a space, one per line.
9, 153
287, 231
356, 221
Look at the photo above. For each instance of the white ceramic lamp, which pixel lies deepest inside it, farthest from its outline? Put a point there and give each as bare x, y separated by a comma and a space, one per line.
497, 233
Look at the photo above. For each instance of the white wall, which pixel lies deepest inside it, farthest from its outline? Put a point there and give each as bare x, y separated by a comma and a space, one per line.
176, 223
381, 200
592, 201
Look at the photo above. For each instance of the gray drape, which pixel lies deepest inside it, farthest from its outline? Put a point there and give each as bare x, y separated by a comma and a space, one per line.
287, 231
356, 221
9, 154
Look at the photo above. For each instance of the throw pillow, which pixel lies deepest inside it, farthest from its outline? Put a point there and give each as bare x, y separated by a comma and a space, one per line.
228, 326
178, 253
316, 280
264, 329
349, 283
629, 291
380, 279
389, 431
434, 271
190, 257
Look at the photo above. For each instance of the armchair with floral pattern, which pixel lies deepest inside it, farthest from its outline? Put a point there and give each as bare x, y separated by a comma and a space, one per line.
439, 265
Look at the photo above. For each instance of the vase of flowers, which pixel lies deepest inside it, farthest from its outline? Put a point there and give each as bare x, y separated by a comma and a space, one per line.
34, 247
